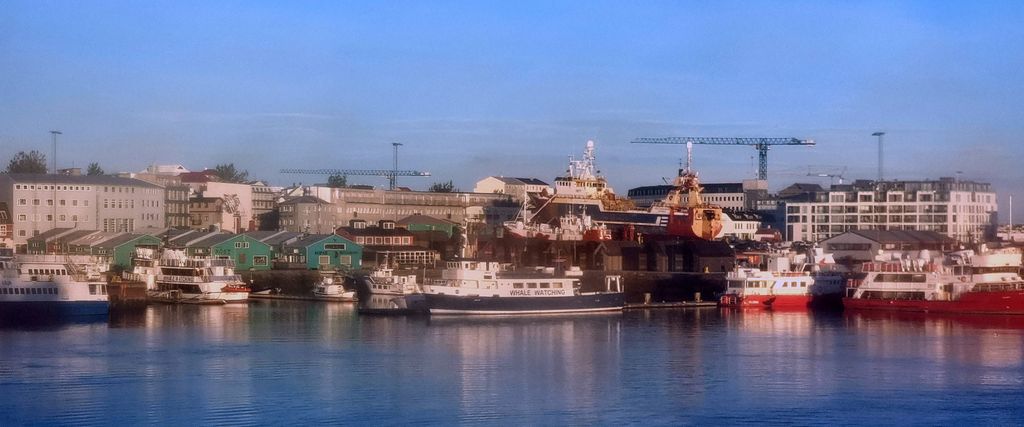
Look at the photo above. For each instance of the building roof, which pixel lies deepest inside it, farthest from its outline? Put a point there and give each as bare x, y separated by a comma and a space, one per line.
94, 238
304, 199
200, 176
52, 234
307, 240
215, 239
120, 240
279, 237
903, 236
426, 220
38, 178
191, 239
532, 181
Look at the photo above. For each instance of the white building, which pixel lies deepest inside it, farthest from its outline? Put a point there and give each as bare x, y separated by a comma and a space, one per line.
962, 210
518, 188
41, 202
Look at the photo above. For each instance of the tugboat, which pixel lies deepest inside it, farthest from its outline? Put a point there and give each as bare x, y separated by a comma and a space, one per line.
480, 287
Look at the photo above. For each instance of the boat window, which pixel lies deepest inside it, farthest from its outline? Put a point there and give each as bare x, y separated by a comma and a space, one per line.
92, 289
531, 285
803, 284
517, 285
103, 289
545, 285
785, 284
557, 285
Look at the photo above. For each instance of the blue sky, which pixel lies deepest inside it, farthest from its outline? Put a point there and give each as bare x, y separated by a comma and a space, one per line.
513, 88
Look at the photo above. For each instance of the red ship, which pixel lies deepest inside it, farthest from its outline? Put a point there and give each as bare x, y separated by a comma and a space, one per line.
970, 283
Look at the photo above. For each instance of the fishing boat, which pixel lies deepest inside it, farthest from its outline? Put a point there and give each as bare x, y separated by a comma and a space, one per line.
964, 282
482, 287
39, 286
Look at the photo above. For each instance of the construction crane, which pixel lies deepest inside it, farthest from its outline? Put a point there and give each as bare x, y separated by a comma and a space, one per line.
392, 174
760, 144
831, 176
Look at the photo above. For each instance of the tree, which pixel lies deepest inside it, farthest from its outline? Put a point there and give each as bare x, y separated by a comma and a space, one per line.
337, 181
443, 187
94, 169
228, 173
31, 162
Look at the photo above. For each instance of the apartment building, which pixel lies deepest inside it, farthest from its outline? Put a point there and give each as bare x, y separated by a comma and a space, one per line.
41, 202
962, 210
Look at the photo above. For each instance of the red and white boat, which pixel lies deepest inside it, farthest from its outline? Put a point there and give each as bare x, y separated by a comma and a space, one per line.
987, 282
780, 290
814, 284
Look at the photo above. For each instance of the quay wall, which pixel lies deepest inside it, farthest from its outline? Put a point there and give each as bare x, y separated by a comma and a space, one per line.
662, 286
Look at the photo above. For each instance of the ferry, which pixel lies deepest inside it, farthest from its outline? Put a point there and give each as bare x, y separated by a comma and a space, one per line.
756, 288
481, 287
33, 286
965, 282
197, 280
331, 287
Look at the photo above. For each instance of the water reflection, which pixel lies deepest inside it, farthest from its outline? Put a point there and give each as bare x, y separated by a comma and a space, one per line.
304, 362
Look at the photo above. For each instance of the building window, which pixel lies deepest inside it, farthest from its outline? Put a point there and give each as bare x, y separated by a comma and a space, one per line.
241, 245
22, 217
22, 202
325, 260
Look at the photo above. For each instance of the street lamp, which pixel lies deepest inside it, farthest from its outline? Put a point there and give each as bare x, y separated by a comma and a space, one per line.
54, 186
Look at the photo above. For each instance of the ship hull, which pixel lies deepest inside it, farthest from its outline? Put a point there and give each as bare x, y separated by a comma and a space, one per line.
454, 304
1009, 302
788, 302
34, 309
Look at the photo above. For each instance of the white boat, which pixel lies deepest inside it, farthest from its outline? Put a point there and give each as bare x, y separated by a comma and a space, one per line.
197, 280
479, 287
383, 281
34, 286
331, 287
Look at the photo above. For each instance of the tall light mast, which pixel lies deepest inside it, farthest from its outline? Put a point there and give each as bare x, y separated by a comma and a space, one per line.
880, 156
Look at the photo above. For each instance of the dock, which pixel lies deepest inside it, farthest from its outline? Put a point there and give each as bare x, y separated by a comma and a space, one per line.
678, 304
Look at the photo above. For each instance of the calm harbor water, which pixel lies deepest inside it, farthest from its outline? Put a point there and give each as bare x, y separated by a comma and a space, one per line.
275, 362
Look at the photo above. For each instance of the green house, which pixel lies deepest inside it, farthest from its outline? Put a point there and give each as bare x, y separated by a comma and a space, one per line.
118, 250
322, 252
247, 252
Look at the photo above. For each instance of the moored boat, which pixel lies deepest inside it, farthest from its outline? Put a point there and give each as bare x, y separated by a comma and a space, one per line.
39, 286
987, 282
479, 287
196, 280
756, 288
331, 287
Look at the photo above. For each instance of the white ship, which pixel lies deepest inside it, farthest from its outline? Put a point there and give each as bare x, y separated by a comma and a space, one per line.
33, 286
197, 280
478, 287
